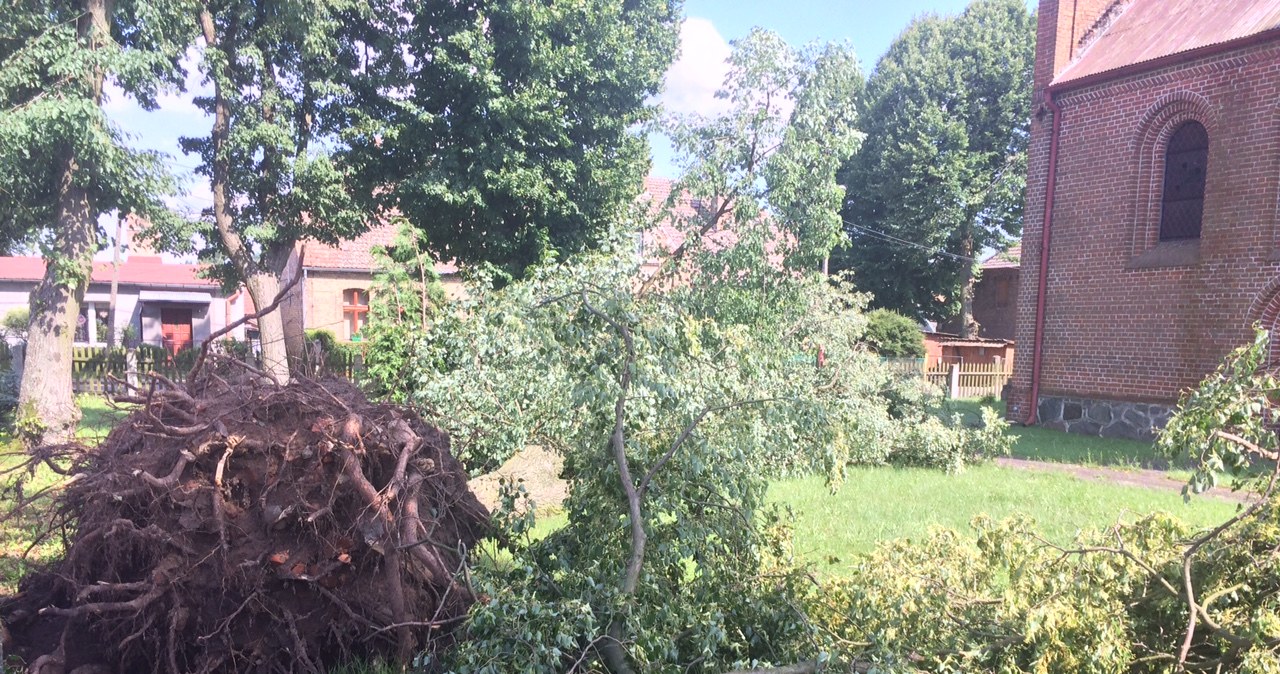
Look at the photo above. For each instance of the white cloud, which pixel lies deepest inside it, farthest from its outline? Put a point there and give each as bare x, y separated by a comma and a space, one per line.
692, 81
179, 102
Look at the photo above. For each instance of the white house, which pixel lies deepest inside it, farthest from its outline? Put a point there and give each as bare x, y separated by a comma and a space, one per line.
165, 304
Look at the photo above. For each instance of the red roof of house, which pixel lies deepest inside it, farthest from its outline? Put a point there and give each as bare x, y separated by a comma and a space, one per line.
137, 270
1146, 30
1007, 259
667, 235
357, 254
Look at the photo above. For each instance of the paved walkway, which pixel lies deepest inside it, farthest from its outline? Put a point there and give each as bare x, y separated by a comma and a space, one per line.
1136, 477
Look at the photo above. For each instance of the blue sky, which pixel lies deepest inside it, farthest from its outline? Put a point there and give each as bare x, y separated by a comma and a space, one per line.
868, 25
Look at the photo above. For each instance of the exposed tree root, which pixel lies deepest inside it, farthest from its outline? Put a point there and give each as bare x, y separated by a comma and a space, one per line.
230, 525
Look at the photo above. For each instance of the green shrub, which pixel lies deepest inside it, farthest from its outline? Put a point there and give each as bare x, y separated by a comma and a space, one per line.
893, 335
1112, 602
405, 299
8, 396
14, 323
328, 342
334, 356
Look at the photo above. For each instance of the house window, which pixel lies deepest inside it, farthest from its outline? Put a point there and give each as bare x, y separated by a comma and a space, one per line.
101, 324
82, 325
1185, 161
355, 311
92, 324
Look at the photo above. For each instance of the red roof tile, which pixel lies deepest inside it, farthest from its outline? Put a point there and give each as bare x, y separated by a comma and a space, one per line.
666, 236
141, 271
1008, 259
1146, 30
663, 238
357, 254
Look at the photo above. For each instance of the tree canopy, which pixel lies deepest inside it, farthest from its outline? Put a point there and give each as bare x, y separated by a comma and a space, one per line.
941, 175
768, 165
285, 78
62, 164
51, 73
516, 132
893, 335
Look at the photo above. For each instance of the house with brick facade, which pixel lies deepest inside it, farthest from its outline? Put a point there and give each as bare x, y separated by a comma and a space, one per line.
995, 295
334, 292
1151, 242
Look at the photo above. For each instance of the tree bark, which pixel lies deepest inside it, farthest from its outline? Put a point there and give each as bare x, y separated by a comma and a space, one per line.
292, 330
112, 334
262, 283
47, 411
968, 326
263, 287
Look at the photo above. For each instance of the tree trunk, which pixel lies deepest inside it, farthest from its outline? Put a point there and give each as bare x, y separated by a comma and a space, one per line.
47, 411
113, 335
968, 326
263, 288
263, 284
292, 329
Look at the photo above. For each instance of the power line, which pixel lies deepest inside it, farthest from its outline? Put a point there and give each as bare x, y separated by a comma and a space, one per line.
889, 238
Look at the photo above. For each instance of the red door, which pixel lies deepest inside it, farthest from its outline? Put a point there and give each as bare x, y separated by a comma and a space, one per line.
175, 329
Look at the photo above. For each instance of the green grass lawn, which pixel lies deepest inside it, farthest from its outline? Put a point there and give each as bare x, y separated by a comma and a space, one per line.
17, 534
881, 503
19, 549
874, 505
98, 417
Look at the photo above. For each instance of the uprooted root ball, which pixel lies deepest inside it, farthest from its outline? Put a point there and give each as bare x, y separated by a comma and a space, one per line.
232, 525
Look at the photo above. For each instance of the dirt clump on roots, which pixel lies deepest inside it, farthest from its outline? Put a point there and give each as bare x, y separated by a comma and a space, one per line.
232, 525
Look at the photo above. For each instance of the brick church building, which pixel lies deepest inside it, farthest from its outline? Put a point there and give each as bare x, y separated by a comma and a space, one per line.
1152, 235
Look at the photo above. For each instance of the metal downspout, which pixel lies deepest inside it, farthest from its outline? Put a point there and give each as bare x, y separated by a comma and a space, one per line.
1046, 234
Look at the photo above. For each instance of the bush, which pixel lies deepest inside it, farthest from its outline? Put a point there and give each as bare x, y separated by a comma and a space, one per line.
333, 357
14, 323
406, 297
933, 443
893, 335
8, 396
1111, 602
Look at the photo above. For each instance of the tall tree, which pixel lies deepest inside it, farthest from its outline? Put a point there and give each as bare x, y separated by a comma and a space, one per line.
62, 164
516, 134
283, 75
769, 164
942, 173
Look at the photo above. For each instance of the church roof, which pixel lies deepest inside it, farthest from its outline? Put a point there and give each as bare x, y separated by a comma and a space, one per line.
1145, 31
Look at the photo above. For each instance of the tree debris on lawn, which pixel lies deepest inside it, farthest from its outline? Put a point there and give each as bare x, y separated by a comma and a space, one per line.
232, 525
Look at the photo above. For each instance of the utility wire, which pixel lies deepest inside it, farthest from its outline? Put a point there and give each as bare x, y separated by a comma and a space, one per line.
889, 238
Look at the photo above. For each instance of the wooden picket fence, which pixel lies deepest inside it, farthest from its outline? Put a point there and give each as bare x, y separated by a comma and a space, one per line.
970, 380
96, 369
904, 366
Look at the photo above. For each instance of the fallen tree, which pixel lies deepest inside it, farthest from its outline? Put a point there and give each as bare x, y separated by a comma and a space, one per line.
229, 524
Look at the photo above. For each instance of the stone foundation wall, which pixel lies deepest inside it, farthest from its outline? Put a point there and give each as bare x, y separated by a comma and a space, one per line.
1105, 418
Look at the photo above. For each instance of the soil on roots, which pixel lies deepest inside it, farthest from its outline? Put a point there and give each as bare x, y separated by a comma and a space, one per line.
231, 525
